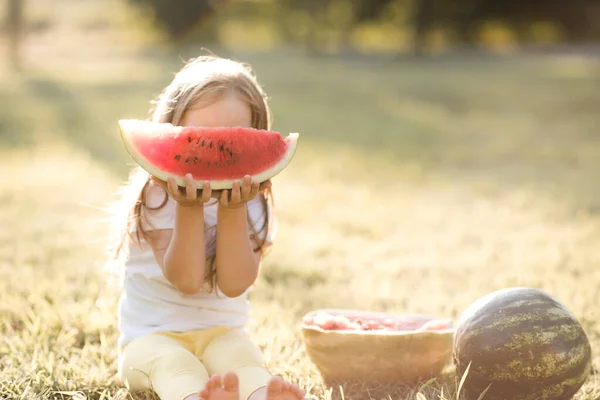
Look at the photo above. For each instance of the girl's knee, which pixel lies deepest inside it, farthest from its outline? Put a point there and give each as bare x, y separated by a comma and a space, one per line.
235, 351
152, 360
172, 375
234, 348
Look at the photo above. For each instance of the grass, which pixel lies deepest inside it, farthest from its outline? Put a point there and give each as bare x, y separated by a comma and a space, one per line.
419, 186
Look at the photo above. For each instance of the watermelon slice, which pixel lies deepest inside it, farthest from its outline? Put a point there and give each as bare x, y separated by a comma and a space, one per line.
220, 155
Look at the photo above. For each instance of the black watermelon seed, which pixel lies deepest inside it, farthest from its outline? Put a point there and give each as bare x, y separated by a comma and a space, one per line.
202, 144
189, 139
187, 159
177, 156
195, 160
221, 148
210, 145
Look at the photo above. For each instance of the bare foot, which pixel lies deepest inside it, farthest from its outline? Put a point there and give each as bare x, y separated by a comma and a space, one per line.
277, 389
227, 390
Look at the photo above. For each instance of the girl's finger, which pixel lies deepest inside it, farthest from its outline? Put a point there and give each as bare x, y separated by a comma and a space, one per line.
246, 187
265, 185
173, 189
206, 191
190, 187
223, 199
254, 189
235, 193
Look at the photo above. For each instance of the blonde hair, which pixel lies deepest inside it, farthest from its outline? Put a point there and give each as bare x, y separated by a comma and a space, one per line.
205, 78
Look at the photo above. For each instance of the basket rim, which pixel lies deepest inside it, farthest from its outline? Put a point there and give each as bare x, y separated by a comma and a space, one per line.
376, 332
379, 314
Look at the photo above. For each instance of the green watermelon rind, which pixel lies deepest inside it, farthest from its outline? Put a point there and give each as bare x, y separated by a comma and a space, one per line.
479, 327
129, 125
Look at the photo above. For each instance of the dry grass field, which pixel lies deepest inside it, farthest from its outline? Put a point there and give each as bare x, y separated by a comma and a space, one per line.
419, 186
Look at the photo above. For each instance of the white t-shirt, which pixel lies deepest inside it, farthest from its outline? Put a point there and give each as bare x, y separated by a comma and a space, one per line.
149, 302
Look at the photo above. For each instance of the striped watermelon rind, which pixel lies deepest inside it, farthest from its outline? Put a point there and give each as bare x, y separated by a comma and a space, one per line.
524, 344
220, 155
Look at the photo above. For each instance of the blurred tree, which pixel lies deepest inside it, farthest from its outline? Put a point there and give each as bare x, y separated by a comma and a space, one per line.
178, 17
573, 17
14, 25
319, 16
315, 18
370, 10
326, 24
422, 20
577, 20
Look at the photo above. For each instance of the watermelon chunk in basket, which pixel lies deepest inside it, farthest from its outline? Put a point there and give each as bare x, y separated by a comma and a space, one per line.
358, 321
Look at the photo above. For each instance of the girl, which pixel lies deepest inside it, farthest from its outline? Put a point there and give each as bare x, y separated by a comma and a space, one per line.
192, 255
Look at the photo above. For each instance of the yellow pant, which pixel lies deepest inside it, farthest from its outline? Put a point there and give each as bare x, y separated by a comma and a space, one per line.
176, 365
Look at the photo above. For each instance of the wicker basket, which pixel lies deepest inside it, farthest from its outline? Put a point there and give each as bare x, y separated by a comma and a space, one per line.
377, 357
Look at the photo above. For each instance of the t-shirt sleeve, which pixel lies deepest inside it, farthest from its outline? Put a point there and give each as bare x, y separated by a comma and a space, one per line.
159, 209
257, 211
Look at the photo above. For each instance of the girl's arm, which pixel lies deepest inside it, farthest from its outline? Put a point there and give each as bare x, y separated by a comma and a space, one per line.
180, 251
184, 259
237, 263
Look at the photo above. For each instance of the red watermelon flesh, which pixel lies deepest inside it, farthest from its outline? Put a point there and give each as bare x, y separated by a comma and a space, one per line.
220, 155
366, 321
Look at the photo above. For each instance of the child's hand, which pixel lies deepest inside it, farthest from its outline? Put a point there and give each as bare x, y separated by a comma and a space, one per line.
240, 195
188, 196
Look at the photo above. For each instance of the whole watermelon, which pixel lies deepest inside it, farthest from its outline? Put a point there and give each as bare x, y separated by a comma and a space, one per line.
522, 343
